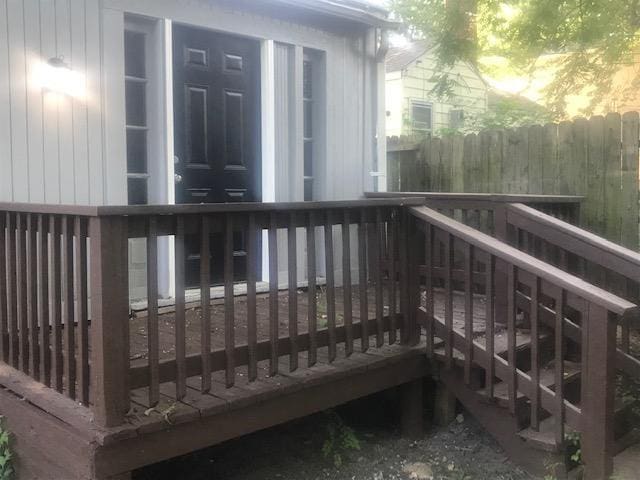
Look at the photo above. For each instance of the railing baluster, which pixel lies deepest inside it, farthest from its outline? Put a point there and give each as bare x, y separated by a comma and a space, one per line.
535, 354
180, 326
331, 296
292, 239
490, 324
468, 310
559, 367
404, 278
346, 283
205, 303
55, 302
81, 316
392, 228
252, 326
511, 337
4, 311
229, 303
362, 271
153, 335
448, 298
312, 317
43, 300
429, 301
32, 295
273, 294
68, 306
21, 294
377, 256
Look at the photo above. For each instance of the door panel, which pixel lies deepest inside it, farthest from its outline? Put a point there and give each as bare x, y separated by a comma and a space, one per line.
217, 130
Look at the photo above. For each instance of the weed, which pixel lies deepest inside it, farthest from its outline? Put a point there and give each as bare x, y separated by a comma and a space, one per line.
340, 439
572, 440
6, 466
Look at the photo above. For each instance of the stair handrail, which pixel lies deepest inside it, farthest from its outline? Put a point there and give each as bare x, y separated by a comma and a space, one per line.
613, 303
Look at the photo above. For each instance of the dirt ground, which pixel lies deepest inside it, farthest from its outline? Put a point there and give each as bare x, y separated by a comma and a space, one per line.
323, 446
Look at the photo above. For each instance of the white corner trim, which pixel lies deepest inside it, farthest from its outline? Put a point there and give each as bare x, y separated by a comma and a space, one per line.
267, 85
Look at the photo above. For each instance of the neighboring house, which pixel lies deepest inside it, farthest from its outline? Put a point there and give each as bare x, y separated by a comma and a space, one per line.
412, 107
109, 102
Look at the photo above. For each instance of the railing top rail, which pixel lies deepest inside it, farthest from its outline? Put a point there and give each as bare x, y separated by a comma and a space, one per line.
526, 262
182, 209
583, 235
485, 197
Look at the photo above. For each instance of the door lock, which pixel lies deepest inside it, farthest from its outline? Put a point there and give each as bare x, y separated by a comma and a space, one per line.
177, 178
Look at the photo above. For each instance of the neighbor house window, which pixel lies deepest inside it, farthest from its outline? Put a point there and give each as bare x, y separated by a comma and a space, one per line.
456, 118
421, 115
307, 98
136, 117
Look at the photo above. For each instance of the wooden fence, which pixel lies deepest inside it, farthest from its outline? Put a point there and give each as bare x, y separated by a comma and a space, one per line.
596, 158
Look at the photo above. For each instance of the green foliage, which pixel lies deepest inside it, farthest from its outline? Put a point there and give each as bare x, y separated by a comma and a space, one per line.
573, 443
508, 112
592, 39
6, 466
340, 439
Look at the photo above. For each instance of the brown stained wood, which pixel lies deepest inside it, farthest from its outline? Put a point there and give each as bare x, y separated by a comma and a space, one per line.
393, 274
378, 260
559, 413
362, 273
68, 317
4, 311
153, 337
535, 353
403, 243
42, 275
293, 292
229, 304
511, 336
180, 334
468, 310
490, 325
429, 301
273, 294
448, 302
312, 314
330, 274
205, 303
346, 282
252, 327
32, 296
55, 303
21, 295
81, 308
109, 320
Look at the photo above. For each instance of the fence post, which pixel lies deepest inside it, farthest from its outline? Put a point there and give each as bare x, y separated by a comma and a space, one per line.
598, 392
109, 319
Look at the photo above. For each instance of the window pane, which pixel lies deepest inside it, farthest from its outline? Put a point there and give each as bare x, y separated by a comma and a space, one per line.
307, 74
308, 119
308, 189
136, 151
308, 158
134, 54
421, 115
137, 191
135, 101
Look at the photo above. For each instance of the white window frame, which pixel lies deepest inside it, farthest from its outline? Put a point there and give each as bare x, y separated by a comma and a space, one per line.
420, 126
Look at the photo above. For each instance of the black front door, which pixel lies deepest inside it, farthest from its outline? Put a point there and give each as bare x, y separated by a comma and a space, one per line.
217, 130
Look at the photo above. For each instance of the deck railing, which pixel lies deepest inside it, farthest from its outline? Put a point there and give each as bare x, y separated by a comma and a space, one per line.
65, 307
546, 295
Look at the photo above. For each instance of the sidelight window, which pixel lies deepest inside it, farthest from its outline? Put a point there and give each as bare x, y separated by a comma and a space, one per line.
308, 100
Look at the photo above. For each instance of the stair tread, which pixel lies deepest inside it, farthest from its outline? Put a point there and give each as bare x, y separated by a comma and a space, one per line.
627, 463
547, 379
544, 437
501, 340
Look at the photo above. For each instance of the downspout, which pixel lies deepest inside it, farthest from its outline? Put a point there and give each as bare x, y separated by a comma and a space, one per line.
381, 53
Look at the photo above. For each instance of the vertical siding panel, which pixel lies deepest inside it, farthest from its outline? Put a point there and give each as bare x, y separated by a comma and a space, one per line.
34, 101
79, 106
49, 107
6, 189
65, 112
94, 106
19, 150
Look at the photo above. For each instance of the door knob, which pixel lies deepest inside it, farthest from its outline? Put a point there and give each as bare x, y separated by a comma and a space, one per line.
177, 178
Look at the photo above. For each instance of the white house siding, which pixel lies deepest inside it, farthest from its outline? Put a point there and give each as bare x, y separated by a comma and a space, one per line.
470, 94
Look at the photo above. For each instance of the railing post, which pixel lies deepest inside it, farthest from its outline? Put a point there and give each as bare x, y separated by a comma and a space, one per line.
109, 319
598, 392
501, 233
413, 237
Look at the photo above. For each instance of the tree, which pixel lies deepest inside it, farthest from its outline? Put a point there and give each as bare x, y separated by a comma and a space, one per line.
584, 42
